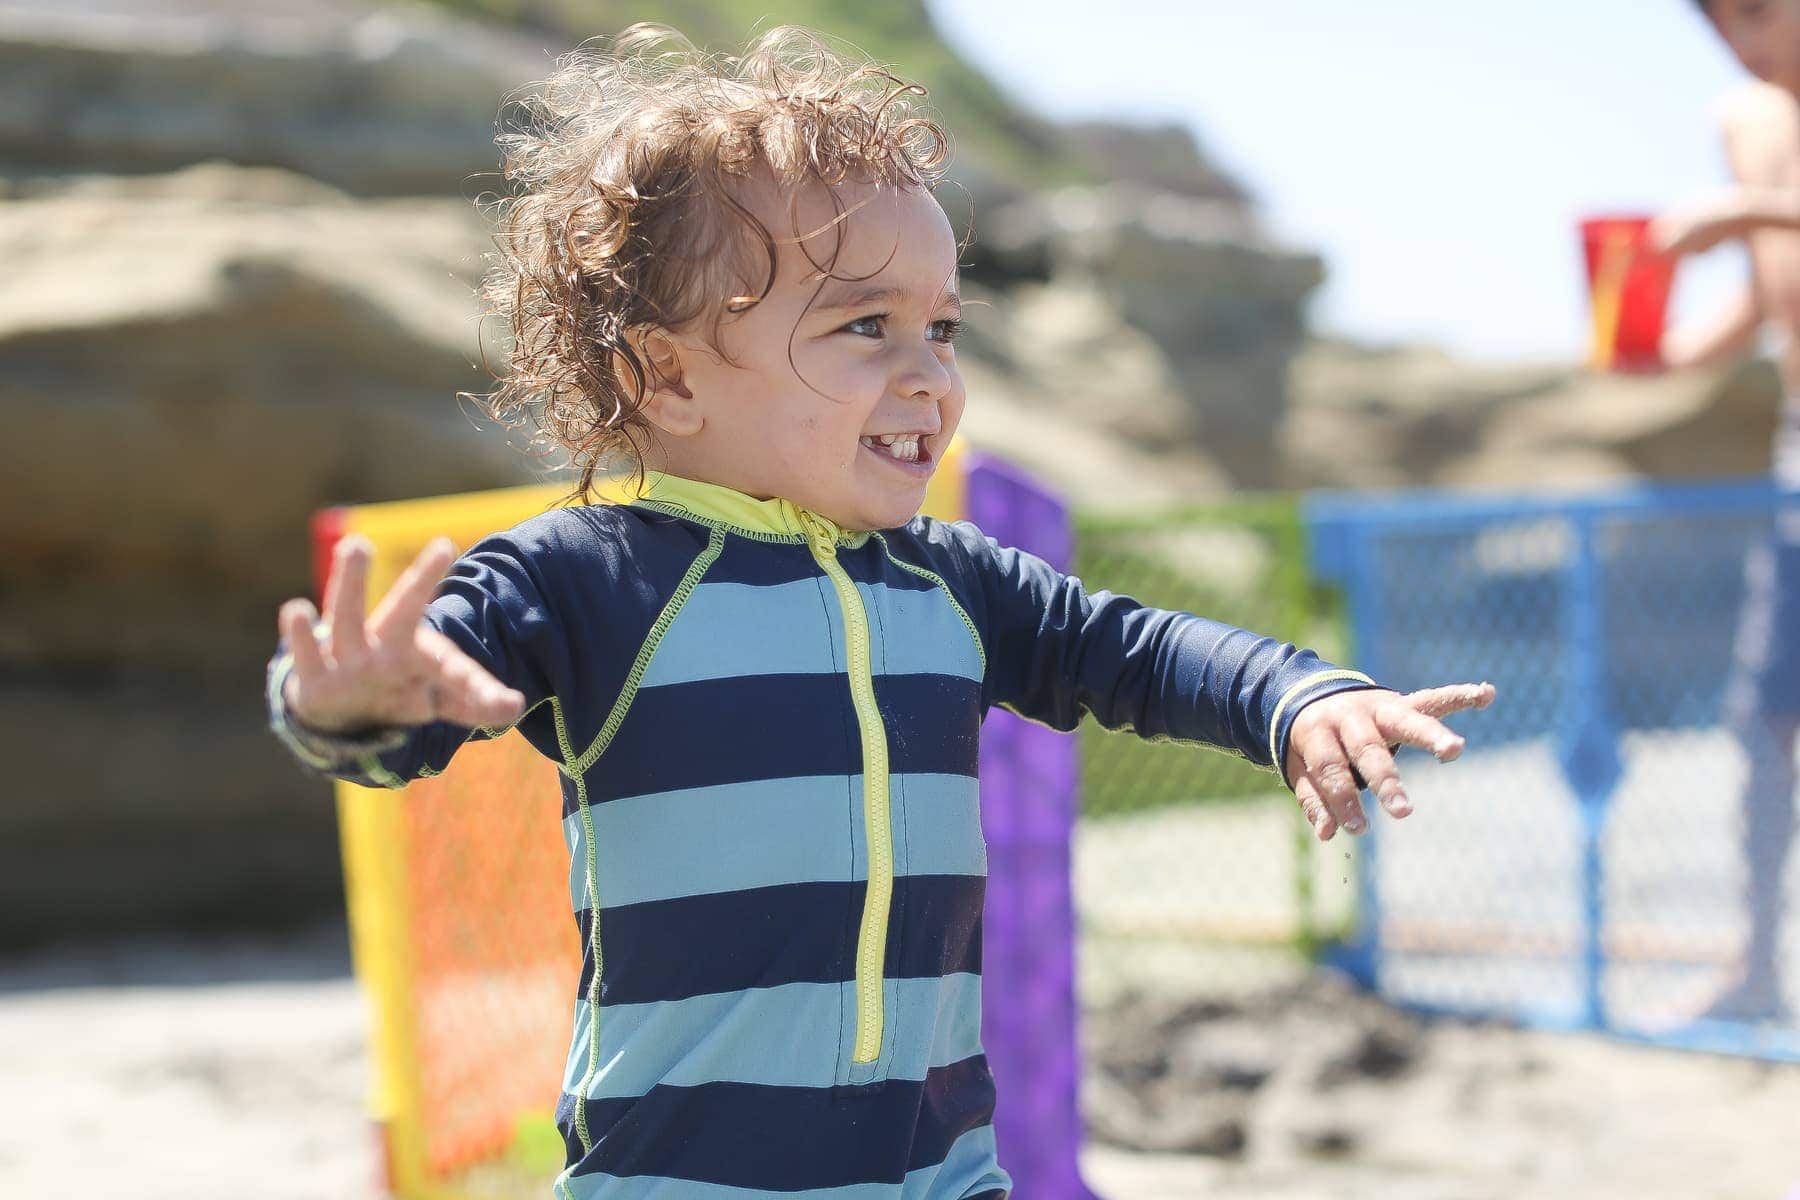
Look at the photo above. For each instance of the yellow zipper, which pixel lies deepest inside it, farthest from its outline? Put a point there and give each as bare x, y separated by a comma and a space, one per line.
871, 942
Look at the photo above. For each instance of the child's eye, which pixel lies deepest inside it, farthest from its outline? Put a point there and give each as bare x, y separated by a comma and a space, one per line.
946, 330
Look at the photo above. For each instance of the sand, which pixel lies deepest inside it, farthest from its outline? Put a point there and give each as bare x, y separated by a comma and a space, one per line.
191, 1068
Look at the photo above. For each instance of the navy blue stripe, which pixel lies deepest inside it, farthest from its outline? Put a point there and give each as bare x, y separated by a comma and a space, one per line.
794, 933
786, 1139
715, 731
867, 564
931, 719
763, 564
628, 547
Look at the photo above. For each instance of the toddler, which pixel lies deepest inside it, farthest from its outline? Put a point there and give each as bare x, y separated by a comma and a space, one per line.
764, 678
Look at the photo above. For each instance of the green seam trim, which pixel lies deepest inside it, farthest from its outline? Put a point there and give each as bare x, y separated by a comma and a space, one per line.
980, 650
1287, 696
593, 891
702, 561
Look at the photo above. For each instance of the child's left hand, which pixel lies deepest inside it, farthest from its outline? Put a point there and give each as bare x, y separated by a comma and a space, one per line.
1346, 741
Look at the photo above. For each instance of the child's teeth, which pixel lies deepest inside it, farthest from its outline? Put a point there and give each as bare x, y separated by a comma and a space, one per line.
903, 446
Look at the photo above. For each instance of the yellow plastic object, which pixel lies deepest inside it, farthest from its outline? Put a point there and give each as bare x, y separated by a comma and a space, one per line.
464, 992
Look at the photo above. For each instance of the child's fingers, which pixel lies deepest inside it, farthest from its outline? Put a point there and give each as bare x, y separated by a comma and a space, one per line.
462, 691
1328, 766
1400, 723
1313, 807
1374, 761
405, 602
1453, 698
346, 597
296, 624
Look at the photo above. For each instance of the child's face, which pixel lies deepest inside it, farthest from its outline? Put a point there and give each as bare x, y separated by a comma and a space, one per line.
810, 386
1765, 36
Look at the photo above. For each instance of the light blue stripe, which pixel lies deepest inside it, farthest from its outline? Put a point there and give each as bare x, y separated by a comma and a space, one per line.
726, 630
918, 633
937, 825
730, 629
968, 1169
788, 1036
702, 841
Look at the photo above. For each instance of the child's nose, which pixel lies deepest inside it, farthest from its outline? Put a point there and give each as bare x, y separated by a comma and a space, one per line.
925, 376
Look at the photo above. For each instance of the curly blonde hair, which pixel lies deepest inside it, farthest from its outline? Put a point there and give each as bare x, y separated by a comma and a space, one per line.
624, 213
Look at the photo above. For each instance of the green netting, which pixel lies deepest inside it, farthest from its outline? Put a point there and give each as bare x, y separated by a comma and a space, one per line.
1194, 869
1240, 561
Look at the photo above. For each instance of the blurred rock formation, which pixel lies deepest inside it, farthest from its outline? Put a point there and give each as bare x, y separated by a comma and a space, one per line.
376, 99
189, 365
1413, 416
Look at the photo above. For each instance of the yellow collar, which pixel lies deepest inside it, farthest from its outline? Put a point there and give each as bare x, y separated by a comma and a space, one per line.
716, 504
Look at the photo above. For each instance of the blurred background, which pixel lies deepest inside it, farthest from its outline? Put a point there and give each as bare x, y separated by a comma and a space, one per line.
1225, 253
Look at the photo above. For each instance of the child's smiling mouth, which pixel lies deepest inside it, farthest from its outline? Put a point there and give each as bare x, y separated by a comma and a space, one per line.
904, 450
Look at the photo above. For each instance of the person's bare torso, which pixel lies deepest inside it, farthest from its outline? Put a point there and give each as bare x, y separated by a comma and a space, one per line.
1762, 140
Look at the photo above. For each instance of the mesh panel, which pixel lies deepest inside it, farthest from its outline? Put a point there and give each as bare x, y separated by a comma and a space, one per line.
1193, 870
1586, 862
495, 951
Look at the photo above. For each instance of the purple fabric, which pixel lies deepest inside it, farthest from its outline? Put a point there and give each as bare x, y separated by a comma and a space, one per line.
1028, 795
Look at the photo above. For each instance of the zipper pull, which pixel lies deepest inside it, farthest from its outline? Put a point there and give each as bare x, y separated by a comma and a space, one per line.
824, 537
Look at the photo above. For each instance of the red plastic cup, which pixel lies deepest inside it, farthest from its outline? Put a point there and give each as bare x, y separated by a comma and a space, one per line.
1628, 291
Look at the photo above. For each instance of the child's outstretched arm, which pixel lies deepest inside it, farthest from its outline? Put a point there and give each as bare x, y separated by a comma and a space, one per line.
1055, 652
380, 698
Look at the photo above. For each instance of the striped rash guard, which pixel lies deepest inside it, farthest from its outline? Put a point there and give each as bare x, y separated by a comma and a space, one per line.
767, 729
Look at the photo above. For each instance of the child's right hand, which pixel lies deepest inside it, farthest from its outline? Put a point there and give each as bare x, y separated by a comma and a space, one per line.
389, 668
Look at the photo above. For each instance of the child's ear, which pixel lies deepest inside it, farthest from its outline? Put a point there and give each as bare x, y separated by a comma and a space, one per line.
668, 403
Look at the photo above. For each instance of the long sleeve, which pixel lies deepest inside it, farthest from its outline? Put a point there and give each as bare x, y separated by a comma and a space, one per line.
492, 605
1055, 651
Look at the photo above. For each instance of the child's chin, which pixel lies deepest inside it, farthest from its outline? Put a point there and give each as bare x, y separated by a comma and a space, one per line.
892, 514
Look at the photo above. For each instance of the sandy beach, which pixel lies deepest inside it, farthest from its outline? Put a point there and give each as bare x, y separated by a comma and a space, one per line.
196, 1068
